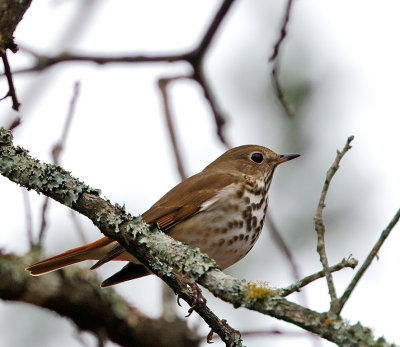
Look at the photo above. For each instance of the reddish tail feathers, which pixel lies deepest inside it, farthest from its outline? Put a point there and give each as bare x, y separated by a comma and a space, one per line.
95, 251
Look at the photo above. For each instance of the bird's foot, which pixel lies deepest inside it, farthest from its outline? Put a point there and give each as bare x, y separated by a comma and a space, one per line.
198, 298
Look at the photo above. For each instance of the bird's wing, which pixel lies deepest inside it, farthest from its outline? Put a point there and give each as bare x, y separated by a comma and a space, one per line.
179, 204
186, 199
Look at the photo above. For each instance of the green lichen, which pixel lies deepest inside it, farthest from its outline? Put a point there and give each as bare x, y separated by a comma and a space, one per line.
190, 262
259, 290
17, 165
114, 220
6, 137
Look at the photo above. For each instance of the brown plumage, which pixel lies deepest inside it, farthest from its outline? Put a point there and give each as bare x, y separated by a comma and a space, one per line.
221, 210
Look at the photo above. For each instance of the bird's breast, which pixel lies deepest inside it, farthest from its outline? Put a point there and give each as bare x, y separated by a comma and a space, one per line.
227, 225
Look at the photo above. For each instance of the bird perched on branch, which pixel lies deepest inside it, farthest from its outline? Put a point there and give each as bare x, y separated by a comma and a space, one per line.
221, 210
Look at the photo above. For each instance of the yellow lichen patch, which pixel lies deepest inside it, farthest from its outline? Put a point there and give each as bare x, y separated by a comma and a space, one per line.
259, 290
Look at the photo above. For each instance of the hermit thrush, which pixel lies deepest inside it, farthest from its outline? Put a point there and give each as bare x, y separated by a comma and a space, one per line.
221, 210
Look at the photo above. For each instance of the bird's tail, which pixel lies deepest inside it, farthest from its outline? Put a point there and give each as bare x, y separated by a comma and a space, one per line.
95, 251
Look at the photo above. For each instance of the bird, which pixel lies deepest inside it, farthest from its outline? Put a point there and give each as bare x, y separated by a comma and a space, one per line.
220, 210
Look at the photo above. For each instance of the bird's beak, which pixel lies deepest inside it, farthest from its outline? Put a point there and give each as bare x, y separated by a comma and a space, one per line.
286, 157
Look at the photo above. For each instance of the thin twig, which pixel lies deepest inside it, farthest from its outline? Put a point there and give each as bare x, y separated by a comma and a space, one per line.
279, 92
163, 84
275, 58
277, 237
59, 146
219, 118
374, 252
283, 34
320, 227
28, 216
43, 62
43, 219
194, 57
14, 123
11, 89
280, 242
295, 287
212, 29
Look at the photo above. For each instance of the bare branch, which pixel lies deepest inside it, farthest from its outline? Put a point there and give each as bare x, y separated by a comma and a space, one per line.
279, 92
43, 62
276, 236
202, 48
283, 34
275, 58
43, 219
295, 287
59, 146
374, 252
75, 294
219, 118
320, 227
14, 123
11, 89
280, 242
163, 84
194, 57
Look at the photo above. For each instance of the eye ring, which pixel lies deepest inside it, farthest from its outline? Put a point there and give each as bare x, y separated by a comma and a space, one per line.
257, 157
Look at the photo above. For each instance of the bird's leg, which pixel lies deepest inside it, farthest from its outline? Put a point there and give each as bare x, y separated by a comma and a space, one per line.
198, 298
234, 335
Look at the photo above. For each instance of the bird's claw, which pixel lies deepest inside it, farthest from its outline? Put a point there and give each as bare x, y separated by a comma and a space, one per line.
198, 298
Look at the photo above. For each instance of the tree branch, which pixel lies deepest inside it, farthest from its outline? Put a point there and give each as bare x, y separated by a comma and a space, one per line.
193, 57
275, 59
56, 153
11, 14
162, 85
75, 294
295, 287
11, 89
320, 227
374, 252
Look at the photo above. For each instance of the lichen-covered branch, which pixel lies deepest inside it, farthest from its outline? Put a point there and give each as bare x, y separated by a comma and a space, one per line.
150, 245
75, 294
320, 227
295, 287
161, 253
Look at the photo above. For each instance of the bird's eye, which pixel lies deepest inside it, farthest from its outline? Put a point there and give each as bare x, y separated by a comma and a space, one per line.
257, 157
